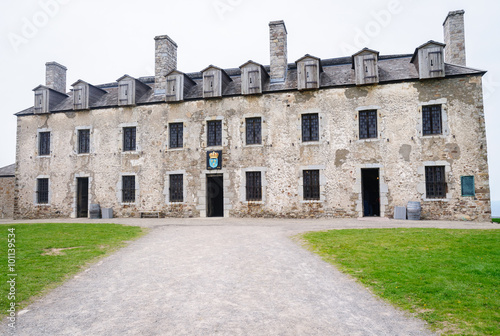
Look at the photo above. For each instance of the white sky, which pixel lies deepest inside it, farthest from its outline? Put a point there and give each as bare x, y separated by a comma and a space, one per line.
99, 41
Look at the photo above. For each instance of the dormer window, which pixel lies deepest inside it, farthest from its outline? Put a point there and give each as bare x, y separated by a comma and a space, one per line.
178, 83
47, 99
429, 60
41, 101
365, 65
308, 72
215, 81
130, 90
85, 94
253, 76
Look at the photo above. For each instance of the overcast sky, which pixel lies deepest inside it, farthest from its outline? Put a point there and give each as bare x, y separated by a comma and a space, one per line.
99, 41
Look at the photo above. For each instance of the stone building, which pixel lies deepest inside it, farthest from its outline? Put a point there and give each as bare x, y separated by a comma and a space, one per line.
7, 182
343, 137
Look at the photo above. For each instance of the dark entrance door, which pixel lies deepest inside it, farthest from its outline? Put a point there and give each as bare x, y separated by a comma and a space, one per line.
371, 191
215, 196
82, 197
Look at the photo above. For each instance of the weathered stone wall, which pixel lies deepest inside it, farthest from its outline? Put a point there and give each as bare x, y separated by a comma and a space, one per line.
7, 197
400, 152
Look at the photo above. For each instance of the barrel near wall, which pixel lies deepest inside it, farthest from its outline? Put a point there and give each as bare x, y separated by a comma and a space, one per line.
94, 211
413, 210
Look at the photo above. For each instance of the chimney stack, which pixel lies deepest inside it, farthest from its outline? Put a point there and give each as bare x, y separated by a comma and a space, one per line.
454, 37
278, 41
55, 76
165, 61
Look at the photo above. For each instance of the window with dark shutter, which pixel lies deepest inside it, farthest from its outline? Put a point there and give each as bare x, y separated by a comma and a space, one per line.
83, 141
310, 127
467, 183
368, 124
176, 191
42, 191
431, 120
435, 182
128, 189
253, 131
176, 135
44, 143
129, 139
254, 186
311, 185
214, 133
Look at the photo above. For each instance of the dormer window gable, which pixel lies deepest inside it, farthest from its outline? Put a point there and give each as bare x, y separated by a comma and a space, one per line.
308, 72
215, 81
178, 83
85, 94
365, 65
253, 77
429, 60
46, 99
130, 90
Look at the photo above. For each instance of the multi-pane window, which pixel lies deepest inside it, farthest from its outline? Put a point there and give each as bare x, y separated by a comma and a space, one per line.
214, 128
175, 135
253, 131
254, 186
310, 127
42, 191
176, 188
435, 182
431, 120
128, 189
83, 141
368, 124
129, 139
44, 143
311, 184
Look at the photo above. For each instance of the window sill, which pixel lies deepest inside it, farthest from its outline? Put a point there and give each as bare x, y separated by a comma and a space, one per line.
253, 145
436, 200
310, 143
82, 154
43, 156
254, 202
311, 201
136, 152
42, 205
176, 203
123, 203
176, 149
368, 140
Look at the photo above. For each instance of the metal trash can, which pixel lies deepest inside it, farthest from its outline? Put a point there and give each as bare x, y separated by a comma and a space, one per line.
94, 211
107, 212
400, 212
413, 210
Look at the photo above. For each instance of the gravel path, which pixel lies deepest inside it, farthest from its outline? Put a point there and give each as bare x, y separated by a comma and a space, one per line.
218, 277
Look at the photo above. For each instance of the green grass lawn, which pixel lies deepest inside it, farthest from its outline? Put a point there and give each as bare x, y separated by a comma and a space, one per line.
450, 278
47, 254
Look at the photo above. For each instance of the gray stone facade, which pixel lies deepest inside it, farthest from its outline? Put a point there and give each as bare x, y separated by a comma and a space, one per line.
7, 183
400, 150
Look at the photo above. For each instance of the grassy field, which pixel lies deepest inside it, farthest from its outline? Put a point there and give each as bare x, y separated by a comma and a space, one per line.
450, 278
47, 254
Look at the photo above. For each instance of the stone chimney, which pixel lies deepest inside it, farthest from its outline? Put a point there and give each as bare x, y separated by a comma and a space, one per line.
279, 61
55, 76
165, 61
454, 37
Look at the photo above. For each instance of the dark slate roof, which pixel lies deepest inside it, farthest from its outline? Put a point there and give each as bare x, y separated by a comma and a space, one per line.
337, 72
8, 171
